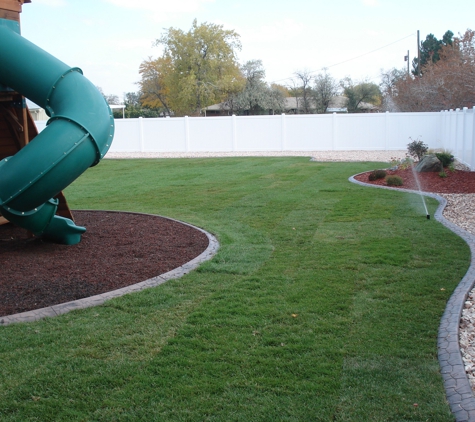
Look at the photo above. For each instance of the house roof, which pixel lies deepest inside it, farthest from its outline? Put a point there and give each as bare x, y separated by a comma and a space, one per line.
337, 104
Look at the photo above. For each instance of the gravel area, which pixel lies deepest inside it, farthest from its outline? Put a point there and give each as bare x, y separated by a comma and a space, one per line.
467, 338
384, 156
460, 210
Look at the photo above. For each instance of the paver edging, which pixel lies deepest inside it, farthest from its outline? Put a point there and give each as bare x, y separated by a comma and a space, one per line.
55, 310
457, 386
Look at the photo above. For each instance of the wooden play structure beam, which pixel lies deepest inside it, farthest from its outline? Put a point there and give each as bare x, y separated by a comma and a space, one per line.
11, 9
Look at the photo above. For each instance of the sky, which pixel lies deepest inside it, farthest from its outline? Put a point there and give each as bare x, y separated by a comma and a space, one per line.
108, 39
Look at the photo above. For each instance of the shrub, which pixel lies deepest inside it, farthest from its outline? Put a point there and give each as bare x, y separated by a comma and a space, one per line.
445, 157
417, 149
443, 174
377, 174
394, 181
402, 163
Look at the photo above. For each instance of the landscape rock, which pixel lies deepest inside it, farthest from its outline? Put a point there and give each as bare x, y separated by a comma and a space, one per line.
429, 163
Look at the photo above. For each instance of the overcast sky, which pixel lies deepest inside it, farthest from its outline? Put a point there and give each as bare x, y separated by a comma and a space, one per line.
108, 39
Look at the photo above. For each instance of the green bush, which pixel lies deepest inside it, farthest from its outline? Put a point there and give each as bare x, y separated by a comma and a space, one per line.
377, 174
417, 149
443, 174
445, 157
394, 181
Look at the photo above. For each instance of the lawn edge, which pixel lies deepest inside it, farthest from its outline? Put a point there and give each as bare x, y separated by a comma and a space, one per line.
458, 391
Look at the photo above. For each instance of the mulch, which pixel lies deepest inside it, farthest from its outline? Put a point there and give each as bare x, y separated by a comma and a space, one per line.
455, 181
117, 250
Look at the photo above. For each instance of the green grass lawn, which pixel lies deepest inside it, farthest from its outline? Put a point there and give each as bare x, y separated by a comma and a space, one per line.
322, 304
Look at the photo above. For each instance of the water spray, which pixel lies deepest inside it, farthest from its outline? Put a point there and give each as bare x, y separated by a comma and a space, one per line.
420, 191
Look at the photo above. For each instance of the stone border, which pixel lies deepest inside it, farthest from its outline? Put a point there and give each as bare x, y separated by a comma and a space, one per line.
457, 386
55, 310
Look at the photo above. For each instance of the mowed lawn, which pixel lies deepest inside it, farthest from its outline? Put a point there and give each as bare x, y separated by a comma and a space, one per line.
322, 304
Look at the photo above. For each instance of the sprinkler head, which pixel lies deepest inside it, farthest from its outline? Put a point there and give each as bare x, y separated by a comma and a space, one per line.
428, 216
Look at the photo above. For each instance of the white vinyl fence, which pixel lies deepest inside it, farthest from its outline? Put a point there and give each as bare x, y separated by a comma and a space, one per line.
451, 130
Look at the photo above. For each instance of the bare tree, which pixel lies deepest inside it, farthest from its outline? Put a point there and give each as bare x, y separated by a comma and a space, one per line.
304, 79
110, 98
324, 90
388, 86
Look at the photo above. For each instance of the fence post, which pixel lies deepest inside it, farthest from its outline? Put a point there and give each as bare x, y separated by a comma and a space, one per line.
141, 138
386, 130
447, 144
187, 134
441, 127
234, 133
457, 140
453, 139
283, 133
472, 163
464, 133
334, 132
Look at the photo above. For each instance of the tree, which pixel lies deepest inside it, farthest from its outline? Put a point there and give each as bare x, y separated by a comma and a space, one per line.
324, 90
110, 98
256, 97
283, 89
153, 85
448, 83
198, 68
132, 99
134, 107
304, 80
388, 86
429, 51
363, 92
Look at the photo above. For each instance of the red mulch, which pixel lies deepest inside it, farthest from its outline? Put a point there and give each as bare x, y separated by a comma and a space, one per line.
456, 182
117, 250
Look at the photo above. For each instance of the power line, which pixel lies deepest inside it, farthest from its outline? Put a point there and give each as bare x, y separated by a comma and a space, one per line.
353, 58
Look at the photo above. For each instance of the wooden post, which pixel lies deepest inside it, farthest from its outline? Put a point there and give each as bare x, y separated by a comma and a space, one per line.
11, 9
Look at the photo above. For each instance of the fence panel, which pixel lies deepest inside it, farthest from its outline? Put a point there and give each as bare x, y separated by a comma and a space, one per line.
416, 126
307, 132
259, 133
127, 135
164, 135
360, 132
211, 134
453, 130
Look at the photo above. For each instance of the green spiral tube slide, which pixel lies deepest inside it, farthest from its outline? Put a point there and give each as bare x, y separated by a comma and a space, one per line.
78, 135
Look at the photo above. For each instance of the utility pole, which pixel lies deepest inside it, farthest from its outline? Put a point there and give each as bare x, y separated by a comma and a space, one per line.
418, 54
406, 59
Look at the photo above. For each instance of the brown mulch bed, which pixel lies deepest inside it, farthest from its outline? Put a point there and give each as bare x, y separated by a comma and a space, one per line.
456, 181
117, 250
